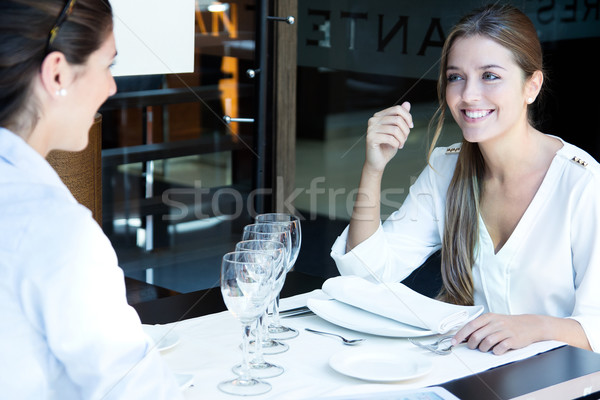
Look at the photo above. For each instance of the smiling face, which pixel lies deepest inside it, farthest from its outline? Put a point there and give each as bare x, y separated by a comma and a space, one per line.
486, 90
92, 85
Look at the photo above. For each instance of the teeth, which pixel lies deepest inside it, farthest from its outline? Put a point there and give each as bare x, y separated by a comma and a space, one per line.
477, 114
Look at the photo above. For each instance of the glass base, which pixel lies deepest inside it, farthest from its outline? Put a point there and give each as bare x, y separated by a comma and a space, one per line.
269, 347
261, 370
282, 332
244, 387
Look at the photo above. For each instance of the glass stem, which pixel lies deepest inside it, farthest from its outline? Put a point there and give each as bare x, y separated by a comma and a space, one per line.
275, 316
258, 340
265, 327
245, 370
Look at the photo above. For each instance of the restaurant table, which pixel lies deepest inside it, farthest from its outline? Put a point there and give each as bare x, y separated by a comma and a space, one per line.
209, 338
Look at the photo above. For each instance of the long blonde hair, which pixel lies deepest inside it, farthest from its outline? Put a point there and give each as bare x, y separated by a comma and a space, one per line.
512, 29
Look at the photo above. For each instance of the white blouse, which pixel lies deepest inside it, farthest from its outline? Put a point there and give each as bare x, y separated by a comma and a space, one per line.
66, 331
550, 265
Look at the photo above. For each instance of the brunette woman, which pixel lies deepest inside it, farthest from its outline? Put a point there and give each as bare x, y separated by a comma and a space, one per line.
66, 331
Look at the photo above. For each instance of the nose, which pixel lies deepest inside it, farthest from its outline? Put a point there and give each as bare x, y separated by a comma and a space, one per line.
471, 91
112, 87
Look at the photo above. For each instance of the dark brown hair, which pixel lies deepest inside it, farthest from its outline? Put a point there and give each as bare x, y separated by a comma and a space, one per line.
511, 28
24, 31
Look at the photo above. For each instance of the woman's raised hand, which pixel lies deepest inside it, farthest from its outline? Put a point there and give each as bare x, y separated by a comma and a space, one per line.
386, 133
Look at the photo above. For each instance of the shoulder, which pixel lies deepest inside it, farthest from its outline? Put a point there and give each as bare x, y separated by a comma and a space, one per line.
66, 236
450, 150
579, 177
439, 170
578, 162
445, 151
445, 158
68, 222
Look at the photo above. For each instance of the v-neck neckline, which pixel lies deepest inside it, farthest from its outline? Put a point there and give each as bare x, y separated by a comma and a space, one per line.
538, 197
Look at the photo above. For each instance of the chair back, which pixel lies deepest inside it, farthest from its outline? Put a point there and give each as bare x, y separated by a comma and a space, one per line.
81, 171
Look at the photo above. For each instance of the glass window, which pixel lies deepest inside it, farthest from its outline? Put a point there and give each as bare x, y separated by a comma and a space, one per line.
176, 177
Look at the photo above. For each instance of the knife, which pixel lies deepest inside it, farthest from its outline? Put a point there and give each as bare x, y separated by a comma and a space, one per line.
292, 312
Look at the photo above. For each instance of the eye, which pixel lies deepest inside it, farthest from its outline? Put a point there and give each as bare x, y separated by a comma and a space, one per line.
454, 77
489, 76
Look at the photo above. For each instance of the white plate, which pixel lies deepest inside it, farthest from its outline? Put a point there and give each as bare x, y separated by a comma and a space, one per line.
184, 380
162, 336
354, 318
380, 366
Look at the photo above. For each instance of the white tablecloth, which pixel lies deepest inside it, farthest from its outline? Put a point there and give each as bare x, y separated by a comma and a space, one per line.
209, 347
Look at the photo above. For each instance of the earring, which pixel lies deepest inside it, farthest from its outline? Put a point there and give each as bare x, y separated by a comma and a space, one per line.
61, 92
529, 100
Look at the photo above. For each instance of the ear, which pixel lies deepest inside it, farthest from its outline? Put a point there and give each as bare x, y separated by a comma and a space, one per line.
534, 85
55, 73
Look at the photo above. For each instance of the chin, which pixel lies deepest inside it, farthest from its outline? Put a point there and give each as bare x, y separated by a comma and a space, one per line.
83, 144
471, 138
78, 145
82, 147
476, 135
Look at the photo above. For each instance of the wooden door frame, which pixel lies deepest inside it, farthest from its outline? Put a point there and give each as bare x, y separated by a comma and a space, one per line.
284, 101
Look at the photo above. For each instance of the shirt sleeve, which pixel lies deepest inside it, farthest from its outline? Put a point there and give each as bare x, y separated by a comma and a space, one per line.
76, 298
585, 243
409, 236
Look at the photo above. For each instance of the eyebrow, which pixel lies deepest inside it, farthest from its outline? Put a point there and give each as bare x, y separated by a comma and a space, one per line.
488, 66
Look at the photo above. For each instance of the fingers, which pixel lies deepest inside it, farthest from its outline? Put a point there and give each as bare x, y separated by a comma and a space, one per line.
401, 111
488, 332
496, 341
391, 140
386, 133
466, 331
502, 347
390, 125
395, 121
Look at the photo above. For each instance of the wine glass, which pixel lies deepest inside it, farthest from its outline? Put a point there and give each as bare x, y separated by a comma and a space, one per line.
276, 330
246, 287
259, 368
295, 230
281, 234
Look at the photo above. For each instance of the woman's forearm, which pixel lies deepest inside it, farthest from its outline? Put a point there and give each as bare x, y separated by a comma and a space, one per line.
386, 133
366, 213
565, 330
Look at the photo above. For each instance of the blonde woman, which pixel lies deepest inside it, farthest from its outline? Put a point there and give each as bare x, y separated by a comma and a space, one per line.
515, 212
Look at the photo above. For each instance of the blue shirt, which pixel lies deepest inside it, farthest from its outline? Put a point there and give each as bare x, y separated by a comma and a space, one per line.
66, 330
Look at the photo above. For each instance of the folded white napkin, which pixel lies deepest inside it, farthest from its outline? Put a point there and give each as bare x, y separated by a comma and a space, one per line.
400, 303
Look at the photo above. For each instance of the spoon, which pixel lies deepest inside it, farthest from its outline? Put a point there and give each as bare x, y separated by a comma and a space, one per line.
349, 342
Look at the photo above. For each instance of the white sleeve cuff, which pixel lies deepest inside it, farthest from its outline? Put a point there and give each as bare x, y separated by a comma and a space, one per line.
365, 260
591, 327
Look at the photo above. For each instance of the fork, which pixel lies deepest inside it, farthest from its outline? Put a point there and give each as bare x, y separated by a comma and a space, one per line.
435, 346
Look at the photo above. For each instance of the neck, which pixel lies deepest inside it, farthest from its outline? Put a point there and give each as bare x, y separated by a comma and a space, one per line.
39, 139
512, 154
46, 121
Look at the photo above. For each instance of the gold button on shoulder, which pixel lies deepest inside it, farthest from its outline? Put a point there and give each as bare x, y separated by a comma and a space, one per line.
579, 161
452, 150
